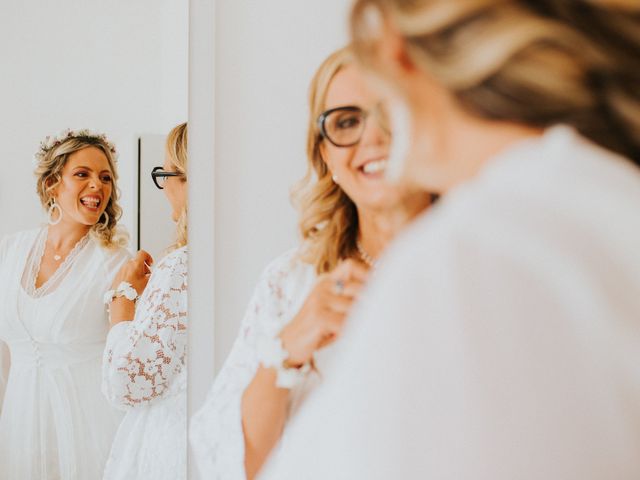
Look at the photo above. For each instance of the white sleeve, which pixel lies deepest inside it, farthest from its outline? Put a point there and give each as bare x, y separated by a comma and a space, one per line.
142, 357
113, 262
5, 365
216, 430
474, 362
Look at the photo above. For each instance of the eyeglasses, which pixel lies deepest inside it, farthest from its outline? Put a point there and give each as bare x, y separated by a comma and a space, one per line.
344, 126
159, 176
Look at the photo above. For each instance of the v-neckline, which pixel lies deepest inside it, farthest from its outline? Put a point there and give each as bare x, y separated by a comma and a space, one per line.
38, 248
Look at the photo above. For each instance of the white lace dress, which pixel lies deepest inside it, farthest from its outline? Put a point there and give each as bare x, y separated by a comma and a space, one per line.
216, 429
55, 423
144, 372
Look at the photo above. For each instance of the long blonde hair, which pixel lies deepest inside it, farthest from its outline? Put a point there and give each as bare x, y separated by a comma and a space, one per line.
535, 62
177, 152
328, 220
49, 175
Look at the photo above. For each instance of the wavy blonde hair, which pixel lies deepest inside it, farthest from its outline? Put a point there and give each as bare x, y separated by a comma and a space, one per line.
176, 148
535, 62
328, 220
49, 175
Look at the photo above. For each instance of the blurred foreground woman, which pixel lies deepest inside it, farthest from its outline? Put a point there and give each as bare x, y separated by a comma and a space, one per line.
501, 336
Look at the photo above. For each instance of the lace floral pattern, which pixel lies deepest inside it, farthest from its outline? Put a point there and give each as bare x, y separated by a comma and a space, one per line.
144, 357
216, 430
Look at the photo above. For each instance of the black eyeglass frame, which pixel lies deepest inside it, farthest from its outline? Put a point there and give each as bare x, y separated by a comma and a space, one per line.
323, 117
159, 172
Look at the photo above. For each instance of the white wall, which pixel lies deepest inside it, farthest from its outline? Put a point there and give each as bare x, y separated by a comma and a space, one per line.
118, 66
266, 54
157, 230
201, 185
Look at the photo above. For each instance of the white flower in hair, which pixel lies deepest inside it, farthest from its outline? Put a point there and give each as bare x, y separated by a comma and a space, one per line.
52, 141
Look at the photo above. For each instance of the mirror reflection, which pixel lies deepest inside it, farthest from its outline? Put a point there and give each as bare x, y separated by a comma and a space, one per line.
495, 335
94, 91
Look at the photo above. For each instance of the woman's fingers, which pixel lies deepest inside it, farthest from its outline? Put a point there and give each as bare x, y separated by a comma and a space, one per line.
351, 270
144, 260
350, 289
339, 304
332, 329
136, 271
322, 317
144, 256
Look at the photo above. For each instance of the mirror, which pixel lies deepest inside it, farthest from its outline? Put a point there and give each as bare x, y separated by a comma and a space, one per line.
116, 67
267, 96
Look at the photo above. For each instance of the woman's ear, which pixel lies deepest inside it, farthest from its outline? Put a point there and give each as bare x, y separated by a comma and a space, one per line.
393, 52
52, 192
322, 150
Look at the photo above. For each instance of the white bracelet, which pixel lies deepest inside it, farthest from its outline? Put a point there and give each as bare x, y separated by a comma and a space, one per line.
272, 354
124, 289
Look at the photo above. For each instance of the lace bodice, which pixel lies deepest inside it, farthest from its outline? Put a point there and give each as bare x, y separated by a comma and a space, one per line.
55, 341
34, 261
216, 430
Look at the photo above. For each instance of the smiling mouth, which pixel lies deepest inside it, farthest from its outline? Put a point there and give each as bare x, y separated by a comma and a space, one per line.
92, 203
374, 167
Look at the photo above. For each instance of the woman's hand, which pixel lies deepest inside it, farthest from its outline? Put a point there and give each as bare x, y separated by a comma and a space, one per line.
320, 320
136, 272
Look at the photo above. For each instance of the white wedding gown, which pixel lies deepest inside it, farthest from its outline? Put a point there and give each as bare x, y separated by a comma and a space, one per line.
144, 373
55, 423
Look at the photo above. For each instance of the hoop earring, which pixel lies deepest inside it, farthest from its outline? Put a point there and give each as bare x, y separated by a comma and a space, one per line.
106, 219
52, 208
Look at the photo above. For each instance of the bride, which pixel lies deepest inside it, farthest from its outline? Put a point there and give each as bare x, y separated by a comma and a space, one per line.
54, 421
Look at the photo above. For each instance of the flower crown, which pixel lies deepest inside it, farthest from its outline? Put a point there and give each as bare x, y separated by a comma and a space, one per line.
52, 141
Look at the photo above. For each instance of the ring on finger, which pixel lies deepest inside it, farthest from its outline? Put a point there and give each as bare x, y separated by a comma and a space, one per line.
338, 287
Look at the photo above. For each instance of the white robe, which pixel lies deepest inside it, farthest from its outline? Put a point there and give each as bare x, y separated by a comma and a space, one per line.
144, 372
500, 337
55, 423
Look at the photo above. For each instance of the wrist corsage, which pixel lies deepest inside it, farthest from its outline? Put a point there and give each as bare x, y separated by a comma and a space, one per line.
272, 354
124, 289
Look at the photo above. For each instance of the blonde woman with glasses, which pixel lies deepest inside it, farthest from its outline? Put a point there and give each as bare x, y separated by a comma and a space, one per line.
501, 336
144, 367
54, 422
348, 214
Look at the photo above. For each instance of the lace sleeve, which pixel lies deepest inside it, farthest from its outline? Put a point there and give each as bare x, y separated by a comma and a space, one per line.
143, 356
216, 430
